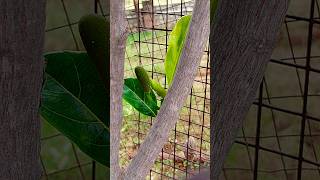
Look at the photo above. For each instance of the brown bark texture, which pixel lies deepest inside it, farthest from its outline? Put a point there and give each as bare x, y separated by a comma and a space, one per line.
22, 27
118, 35
242, 38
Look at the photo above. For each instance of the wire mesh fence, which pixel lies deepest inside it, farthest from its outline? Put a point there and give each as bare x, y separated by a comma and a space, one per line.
187, 151
60, 158
280, 137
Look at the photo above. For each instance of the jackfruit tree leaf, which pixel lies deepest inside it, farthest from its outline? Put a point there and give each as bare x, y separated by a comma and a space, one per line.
145, 103
75, 101
175, 46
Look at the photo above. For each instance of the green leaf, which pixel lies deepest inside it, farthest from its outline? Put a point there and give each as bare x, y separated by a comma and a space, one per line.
95, 35
145, 103
158, 88
74, 101
213, 8
176, 44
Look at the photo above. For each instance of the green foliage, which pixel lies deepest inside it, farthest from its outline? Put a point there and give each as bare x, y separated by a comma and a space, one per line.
143, 78
158, 88
176, 44
138, 92
74, 101
144, 102
95, 35
75, 92
213, 8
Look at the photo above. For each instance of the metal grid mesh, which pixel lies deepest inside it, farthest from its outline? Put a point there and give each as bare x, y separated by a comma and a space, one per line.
280, 138
60, 158
187, 151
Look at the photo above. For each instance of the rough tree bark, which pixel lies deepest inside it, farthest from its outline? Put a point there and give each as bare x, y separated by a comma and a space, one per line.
22, 26
118, 31
196, 41
244, 35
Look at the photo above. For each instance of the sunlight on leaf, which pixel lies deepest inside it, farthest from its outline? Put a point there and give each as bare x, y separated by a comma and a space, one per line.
176, 44
145, 103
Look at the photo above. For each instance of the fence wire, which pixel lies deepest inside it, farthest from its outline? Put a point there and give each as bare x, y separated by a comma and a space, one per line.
280, 137
187, 151
60, 158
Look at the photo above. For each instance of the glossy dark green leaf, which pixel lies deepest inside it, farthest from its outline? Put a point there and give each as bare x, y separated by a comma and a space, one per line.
145, 103
176, 44
75, 102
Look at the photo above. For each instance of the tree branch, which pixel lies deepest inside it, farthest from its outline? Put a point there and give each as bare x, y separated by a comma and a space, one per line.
118, 28
167, 117
244, 35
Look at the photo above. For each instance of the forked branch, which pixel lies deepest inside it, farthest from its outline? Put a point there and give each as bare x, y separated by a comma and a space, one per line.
168, 115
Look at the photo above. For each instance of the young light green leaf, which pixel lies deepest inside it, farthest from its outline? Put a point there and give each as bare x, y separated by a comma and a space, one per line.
74, 101
144, 102
158, 88
176, 44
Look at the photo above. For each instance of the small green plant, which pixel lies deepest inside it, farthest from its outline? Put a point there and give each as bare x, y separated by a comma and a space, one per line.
76, 87
139, 92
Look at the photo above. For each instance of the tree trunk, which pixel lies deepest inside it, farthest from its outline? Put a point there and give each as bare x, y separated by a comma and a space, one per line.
244, 35
22, 26
168, 114
118, 29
